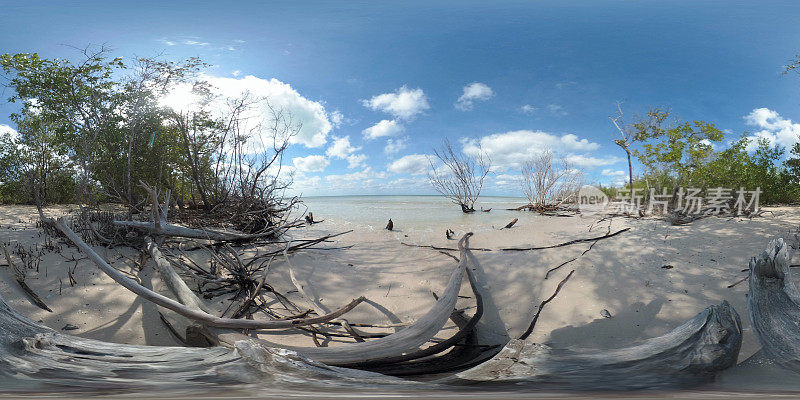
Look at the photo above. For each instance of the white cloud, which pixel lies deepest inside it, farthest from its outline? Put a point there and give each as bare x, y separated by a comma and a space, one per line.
473, 92
553, 109
166, 41
356, 160
591, 162
511, 149
773, 127
312, 163
404, 103
612, 173
383, 128
556, 110
365, 176
236, 73
7, 130
310, 115
341, 148
306, 183
336, 118
413, 164
507, 180
394, 146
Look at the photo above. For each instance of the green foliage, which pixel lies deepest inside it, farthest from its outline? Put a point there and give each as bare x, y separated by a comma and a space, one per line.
691, 154
678, 153
93, 130
732, 167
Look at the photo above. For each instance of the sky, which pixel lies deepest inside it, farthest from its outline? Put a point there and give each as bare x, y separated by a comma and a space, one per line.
378, 85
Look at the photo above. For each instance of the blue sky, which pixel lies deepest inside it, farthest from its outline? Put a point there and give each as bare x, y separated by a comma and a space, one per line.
388, 75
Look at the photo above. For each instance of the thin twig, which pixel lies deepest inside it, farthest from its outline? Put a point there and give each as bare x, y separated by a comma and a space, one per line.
566, 243
541, 306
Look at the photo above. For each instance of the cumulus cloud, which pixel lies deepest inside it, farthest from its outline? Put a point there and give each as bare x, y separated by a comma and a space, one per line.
341, 148
612, 173
308, 114
337, 118
382, 129
305, 183
773, 127
413, 164
312, 163
394, 146
356, 160
511, 149
365, 176
506, 180
404, 103
591, 162
473, 92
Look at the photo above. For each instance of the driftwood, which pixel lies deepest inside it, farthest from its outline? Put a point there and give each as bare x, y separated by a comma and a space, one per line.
774, 304
318, 307
34, 358
19, 277
510, 224
551, 270
548, 210
689, 355
427, 246
390, 225
678, 218
405, 341
593, 239
465, 351
542, 304
310, 219
206, 234
192, 313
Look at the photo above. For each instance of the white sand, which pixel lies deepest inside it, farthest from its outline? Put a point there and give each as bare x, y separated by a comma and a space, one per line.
622, 274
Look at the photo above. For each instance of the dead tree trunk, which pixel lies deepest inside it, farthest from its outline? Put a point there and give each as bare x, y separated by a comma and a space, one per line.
774, 304
688, 355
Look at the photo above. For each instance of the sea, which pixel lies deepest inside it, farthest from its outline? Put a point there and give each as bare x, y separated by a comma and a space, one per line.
413, 213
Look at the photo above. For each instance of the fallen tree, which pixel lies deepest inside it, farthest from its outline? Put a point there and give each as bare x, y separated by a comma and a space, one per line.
688, 355
382, 349
36, 358
774, 303
193, 314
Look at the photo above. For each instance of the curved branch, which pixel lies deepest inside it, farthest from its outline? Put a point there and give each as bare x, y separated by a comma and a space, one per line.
192, 313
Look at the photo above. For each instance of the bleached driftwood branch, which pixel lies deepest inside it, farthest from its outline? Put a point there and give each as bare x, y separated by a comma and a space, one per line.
774, 304
688, 355
192, 313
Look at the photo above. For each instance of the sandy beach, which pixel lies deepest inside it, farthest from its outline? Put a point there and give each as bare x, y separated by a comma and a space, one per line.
650, 278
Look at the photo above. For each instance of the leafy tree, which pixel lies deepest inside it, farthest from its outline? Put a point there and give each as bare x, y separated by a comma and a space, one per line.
792, 164
643, 128
678, 153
